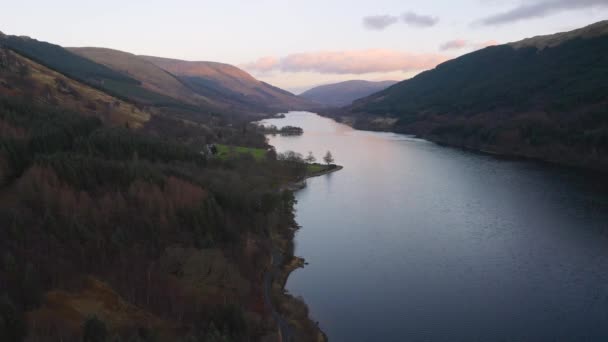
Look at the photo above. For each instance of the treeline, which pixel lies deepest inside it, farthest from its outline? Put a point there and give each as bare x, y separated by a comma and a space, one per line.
80, 199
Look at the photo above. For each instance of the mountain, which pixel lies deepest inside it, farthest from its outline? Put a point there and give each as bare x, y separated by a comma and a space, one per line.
544, 97
230, 84
148, 74
84, 70
203, 87
344, 93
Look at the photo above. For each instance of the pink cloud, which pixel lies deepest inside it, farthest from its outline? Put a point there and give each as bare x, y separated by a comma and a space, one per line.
348, 62
264, 64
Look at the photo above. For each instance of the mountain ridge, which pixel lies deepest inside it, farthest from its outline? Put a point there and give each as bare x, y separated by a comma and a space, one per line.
344, 93
151, 76
227, 80
549, 40
206, 87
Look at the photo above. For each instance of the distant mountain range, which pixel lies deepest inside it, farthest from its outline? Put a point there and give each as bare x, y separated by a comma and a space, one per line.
206, 88
344, 93
544, 97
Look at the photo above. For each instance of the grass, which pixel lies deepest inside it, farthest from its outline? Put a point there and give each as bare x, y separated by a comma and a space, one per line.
225, 152
316, 168
44, 84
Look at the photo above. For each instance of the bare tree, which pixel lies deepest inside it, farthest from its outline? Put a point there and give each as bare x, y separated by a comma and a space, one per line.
329, 159
310, 159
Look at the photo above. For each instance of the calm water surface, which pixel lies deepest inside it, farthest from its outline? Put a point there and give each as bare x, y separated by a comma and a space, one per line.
418, 242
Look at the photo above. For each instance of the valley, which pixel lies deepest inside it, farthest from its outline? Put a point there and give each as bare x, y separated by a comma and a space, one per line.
145, 198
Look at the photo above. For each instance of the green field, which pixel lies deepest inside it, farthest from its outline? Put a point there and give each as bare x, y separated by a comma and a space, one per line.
316, 168
226, 151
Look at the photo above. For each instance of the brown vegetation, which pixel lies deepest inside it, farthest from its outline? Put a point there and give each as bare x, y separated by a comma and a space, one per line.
43, 85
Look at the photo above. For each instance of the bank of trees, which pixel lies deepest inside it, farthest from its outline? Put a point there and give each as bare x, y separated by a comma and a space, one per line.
81, 199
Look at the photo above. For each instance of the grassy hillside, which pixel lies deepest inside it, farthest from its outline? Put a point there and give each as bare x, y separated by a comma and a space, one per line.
231, 84
58, 58
148, 74
344, 93
87, 71
21, 77
547, 102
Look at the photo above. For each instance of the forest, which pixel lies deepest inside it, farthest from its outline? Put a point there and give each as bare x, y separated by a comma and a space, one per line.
103, 214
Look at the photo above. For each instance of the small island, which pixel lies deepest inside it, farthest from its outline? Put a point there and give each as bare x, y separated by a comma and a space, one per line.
285, 130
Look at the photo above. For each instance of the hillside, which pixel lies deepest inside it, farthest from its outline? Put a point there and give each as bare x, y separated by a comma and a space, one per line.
194, 87
542, 98
344, 93
149, 75
117, 225
22, 77
230, 84
82, 69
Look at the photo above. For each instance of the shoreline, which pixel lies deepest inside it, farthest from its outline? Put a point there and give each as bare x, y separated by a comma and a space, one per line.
290, 313
487, 150
301, 184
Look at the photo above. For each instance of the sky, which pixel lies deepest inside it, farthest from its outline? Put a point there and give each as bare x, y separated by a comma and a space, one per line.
303, 43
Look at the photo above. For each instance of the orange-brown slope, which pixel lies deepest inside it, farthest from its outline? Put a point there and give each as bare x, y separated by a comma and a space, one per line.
230, 83
149, 74
22, 77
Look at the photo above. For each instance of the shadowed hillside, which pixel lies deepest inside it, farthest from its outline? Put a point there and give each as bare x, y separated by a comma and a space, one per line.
543, 98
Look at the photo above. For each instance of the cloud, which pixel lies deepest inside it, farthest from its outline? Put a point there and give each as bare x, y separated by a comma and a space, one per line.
379, 22
264, 64
454, 44
459, 44
413, 19
348, 62
540, 8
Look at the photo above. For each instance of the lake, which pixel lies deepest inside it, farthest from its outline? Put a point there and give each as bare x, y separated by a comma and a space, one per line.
412, 241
